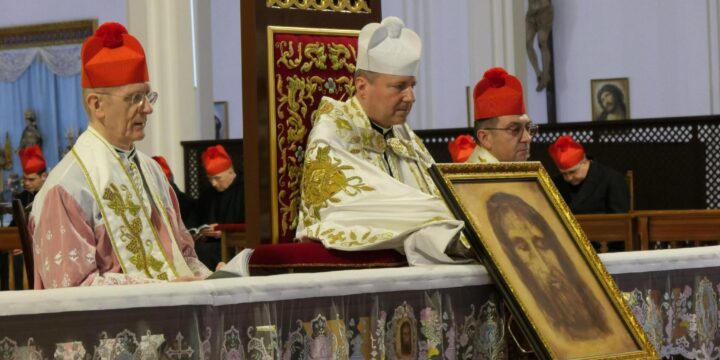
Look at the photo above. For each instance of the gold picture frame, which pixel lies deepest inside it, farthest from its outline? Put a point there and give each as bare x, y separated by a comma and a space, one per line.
610, 99
561, 295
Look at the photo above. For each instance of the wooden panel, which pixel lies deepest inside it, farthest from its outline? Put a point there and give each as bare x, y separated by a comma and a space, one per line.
9, 239
608, 228
696, 226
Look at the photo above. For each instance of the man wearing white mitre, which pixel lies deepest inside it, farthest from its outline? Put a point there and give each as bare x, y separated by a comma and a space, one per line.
366, 184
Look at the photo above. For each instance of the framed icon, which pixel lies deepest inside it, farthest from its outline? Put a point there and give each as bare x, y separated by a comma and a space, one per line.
222, 126
561, 295
610, 99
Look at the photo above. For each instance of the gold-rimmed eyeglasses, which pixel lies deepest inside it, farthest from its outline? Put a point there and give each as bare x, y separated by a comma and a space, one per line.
517, 129
137, 98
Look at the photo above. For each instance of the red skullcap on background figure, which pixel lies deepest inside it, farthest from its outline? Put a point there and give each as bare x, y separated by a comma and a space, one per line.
498, 93
566, 152
163, 165
32, 159
216, 160
461, 148
112, 57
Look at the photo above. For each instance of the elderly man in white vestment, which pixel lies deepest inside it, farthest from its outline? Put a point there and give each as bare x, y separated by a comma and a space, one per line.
106, 214
366, 184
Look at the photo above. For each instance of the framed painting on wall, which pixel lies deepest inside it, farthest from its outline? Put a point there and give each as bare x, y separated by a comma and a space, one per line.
610, 99
222, 127
563, 298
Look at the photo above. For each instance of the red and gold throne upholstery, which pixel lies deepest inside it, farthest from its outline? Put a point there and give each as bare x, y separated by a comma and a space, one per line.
305, 64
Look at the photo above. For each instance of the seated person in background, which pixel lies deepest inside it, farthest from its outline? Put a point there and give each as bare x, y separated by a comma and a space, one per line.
502, 128
106, 214
187, 204
223, 203
34, 173
34, 176
588, 187
366, 184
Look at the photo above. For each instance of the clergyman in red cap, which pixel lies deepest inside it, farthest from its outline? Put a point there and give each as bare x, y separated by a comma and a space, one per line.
34, 172
503, 130
34, 175
222, 203
588, 187
187, 203
80, 218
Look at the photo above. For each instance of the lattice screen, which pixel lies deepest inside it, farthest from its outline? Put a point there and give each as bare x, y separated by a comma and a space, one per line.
683, 154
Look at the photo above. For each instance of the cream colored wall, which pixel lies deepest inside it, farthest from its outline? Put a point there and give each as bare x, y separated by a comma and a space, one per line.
227, 79
461, 39
672, 65
180, 74
667, 49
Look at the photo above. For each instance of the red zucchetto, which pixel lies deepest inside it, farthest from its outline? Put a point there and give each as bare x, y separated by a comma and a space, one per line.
32, 159
498, 93
112, 57
163, 165
461, 148
566, 153
216, 160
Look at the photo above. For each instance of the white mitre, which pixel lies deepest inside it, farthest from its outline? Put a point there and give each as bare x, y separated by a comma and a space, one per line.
389, 48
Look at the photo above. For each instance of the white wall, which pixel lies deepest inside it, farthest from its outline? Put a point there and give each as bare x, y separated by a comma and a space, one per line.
668, 49
180, 72
227, 73
461, 39
27, 12
663, 47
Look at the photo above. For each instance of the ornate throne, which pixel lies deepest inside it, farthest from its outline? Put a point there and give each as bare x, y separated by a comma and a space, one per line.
302, 65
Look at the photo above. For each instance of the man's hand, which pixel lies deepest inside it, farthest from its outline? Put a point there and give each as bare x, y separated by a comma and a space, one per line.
210, 232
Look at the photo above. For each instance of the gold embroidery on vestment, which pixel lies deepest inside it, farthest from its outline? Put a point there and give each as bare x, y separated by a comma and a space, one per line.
132, 227
324, 178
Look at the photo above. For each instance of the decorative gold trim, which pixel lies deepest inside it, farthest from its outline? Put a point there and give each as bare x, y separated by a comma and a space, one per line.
50, 34
148, 216
353, 6
98, 200
271, 31
534, 171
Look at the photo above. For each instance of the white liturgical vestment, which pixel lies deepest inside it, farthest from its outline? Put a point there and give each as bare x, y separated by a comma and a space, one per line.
107, 216
365, 191
482, 156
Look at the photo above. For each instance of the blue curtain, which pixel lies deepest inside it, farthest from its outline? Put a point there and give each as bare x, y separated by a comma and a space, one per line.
57, 103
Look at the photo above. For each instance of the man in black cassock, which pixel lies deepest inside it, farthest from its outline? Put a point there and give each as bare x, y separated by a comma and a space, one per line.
588, 187
223, 203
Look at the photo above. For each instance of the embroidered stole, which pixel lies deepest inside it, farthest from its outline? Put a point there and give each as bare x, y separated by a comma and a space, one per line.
415, 160
482, 156
126, 208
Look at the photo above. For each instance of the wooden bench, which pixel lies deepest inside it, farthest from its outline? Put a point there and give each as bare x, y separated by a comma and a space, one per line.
9, 241
608, 228
678, 228
232, 241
